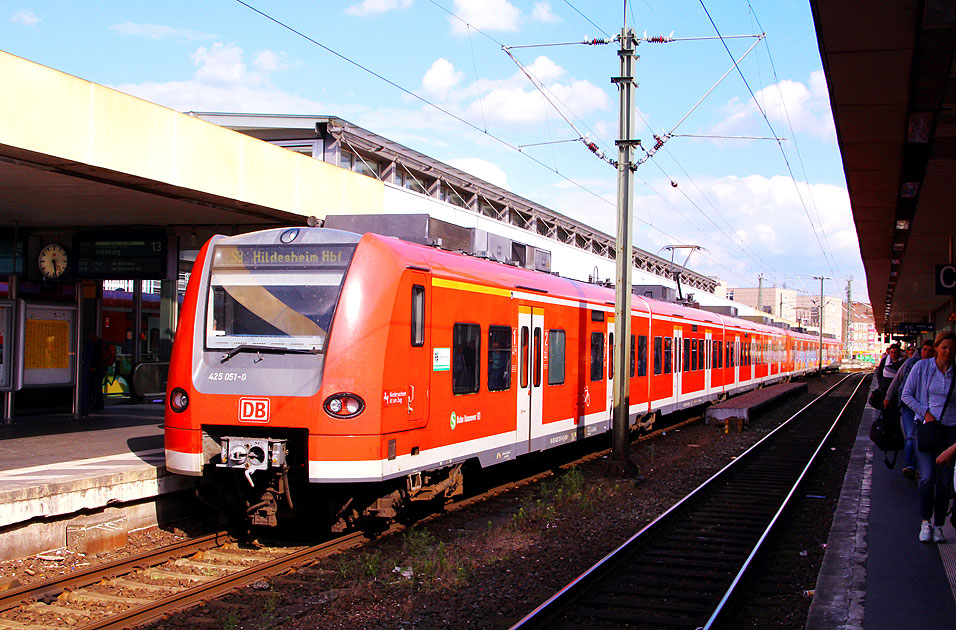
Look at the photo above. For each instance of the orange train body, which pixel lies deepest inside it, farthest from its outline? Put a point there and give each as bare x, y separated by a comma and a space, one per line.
373, 358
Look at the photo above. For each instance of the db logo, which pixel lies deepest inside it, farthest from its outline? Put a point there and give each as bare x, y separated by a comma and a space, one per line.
254, 410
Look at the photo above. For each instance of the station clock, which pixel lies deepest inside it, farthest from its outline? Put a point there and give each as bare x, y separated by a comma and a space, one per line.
53, 261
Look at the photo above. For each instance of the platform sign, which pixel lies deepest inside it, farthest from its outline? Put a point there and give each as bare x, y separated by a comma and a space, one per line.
946, 279
131, 255
49, 339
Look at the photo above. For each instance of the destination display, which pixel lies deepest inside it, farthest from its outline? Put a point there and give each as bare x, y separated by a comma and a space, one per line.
317, 256
122, 256
915, 328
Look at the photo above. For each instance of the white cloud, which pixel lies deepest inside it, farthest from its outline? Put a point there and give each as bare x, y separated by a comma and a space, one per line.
222, 64
223, 82
804, 106
544, 69
159, 32
374, 7
483, 169
268, 61
766, 214
25, 17
515, 101
542, 13
487, 15
441, 77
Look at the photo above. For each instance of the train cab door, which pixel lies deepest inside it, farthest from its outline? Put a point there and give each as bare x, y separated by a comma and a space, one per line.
708, 342
678, 363
530, 376
420, 352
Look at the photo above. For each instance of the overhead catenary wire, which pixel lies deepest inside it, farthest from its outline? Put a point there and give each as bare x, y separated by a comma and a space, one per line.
456, 116
779, 144
419, 97
796, 146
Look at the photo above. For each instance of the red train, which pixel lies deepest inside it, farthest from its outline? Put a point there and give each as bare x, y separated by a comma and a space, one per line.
360, 373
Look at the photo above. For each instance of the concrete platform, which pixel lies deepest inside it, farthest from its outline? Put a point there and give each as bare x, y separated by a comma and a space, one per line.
57, 472
739, 408
876, 574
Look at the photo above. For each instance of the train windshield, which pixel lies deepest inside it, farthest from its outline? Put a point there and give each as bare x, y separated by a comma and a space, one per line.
274, 296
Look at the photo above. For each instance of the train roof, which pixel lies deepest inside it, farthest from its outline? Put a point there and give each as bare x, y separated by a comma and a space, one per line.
467, 268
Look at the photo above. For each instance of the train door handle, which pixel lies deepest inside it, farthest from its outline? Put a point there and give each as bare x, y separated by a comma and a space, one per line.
411, 397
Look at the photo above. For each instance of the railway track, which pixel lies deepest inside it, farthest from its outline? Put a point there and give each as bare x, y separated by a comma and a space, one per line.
149, 585
682, 569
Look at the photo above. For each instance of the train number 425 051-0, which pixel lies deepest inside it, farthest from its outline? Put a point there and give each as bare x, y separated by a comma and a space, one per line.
227, 376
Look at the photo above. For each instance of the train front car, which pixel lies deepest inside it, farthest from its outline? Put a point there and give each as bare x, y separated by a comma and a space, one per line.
246, 372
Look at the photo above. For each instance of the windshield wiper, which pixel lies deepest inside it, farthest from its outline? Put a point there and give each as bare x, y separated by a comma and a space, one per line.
258, 349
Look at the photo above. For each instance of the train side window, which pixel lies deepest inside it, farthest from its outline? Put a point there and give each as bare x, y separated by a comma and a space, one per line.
466, 358
694, 365
499, 358
537, 357
642, 355
657, 355
610, 355
597, 356
632, 356
525, 353
556, 350
418, 315
667, 355
687, 364
719, 353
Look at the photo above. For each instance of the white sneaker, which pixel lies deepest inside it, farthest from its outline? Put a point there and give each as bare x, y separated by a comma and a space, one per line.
938, 535
925, 532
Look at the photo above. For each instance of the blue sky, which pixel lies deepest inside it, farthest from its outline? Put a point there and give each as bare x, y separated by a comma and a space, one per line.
736, 198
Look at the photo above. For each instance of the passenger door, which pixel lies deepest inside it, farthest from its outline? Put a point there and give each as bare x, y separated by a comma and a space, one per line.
530, 376
678, 363
708, 357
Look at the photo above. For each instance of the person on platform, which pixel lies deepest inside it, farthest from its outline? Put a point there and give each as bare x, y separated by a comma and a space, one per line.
894, 399
929, 392
888, 367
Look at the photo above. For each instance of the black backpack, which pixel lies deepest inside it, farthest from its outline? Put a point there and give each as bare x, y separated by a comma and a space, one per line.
887, 435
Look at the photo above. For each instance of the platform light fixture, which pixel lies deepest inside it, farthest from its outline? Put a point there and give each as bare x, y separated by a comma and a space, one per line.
903, 224
918, 129
908, 190
898, 246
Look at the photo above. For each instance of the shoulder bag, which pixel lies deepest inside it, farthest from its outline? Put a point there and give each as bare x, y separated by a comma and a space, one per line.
929, 435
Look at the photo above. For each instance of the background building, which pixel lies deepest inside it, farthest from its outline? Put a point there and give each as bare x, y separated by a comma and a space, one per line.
774, 300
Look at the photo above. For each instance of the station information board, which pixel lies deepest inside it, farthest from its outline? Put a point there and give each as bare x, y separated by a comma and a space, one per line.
131, 255
49, 339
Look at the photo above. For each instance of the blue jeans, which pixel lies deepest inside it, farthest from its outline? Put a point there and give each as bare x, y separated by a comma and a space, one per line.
909, 433
935, 482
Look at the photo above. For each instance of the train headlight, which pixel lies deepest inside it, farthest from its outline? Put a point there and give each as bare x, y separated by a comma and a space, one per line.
178, 400
344, 406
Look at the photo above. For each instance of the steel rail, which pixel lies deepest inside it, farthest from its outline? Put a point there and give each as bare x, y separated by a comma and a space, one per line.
197, 594
54, 586
550, 608
743, 569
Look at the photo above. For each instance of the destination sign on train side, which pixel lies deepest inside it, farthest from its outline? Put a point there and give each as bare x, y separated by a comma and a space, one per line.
131, 255
282, 256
